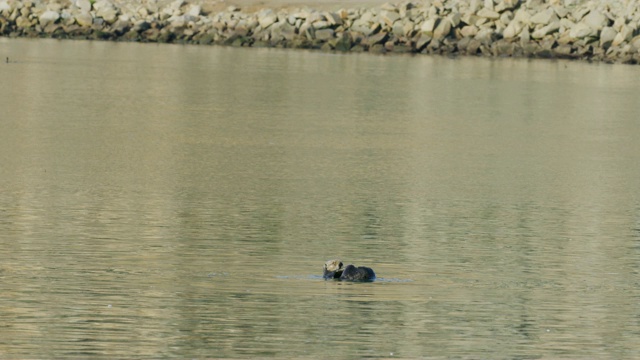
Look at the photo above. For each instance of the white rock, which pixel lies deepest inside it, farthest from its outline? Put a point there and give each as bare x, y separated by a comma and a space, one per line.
390, 17
454, 18
48, 17
4, 6
505, 5
617, 25
102, 4
266, 18
428, 26
580, 31
84, 18
194, 10
635, 43
513, 29
176, 4
522, 15
595, 20
177, 21
469, 31
607, 35
524, 36
488, 14
108, 14
442, 30
84, 5
544, 17
625, 34
548, 29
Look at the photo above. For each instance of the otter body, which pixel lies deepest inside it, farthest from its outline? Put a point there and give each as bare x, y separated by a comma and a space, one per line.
332, 269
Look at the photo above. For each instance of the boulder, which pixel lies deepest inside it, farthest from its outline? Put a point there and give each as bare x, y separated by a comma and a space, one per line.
344, 42
544, 17
422, 41
4, 6
488, 14
545, 30
23, 22
83, 5
595, 20
625, 34
606, 36
442, 30
324, 34
513, 29
266, 18
469, 31
428, 26
194, 10
48, 17
333, 18
635, 43
390, 17
378, 38
84, 18
581, 30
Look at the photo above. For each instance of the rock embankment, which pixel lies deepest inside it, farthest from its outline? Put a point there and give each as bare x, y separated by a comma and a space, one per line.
593, 30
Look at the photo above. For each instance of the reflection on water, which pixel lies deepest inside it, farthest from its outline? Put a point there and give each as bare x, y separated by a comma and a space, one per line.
161, 200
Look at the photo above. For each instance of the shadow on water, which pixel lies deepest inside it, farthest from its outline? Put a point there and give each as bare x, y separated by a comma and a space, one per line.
319, 277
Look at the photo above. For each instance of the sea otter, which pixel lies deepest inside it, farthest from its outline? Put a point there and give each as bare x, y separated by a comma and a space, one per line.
332, 269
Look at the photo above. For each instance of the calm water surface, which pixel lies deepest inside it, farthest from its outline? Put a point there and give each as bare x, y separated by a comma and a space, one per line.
179, 201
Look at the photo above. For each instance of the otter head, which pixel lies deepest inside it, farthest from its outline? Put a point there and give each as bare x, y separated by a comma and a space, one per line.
332, 269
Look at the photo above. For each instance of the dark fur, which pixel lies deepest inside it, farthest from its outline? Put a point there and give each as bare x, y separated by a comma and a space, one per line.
332, 269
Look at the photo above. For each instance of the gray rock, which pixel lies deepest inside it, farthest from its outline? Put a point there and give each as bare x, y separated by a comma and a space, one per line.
141, 26
333, 18
344, 42
324, 34
378, 38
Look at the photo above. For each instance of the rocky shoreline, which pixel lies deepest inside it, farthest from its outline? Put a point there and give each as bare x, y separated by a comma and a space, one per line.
594, 30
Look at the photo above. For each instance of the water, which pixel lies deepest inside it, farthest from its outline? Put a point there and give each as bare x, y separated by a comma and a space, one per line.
179, 201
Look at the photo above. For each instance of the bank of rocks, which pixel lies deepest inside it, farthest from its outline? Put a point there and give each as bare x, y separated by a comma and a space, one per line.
594, 30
